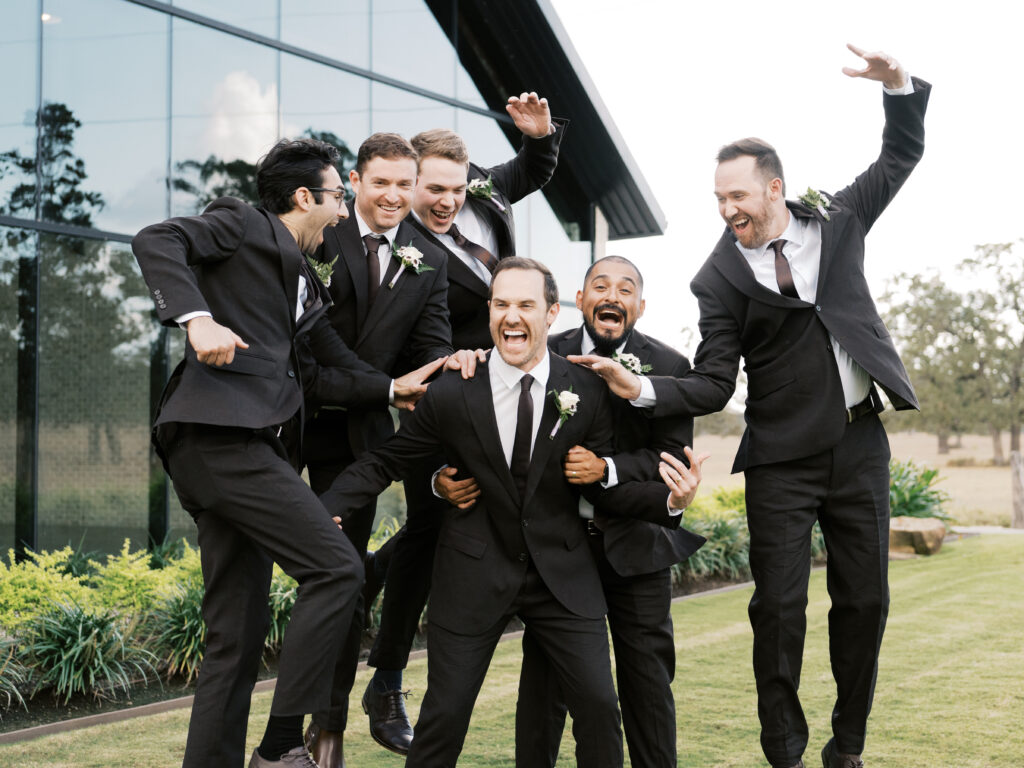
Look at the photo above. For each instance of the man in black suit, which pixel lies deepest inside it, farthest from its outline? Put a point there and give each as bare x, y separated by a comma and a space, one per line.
633, 557
520, 550
389, 288
785, 290
466, 211
229, 429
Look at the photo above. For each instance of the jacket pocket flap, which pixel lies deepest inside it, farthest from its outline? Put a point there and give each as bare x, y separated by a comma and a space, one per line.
254, 365
761, 384
463, 543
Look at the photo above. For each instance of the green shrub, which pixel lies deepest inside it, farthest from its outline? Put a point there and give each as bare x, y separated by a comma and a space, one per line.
13, 676
283, 590
126, 582
32, 587
166, 552
72, 650
80, 563
726, 553
176, 631
912, 491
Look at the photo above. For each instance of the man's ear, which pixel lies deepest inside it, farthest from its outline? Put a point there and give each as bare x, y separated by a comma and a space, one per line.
579, 300
553, 313
775, 188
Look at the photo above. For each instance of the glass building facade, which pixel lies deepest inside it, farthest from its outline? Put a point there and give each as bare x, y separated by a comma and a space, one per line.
120, 113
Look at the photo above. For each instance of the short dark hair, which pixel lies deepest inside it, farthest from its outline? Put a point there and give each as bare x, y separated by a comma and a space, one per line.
440, 142
291, 164
766, 159
617, 260
390, 146
520, 262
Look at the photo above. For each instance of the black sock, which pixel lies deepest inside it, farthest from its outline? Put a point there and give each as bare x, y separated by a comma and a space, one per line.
282, 734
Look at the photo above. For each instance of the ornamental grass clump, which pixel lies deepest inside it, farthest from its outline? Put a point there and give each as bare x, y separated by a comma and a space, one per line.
912, 492
176, 631
76, 650
283, 591
14, 677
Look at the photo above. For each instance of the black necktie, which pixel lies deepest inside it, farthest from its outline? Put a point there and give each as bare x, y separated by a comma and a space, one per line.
783, 275
373, 244
478, 252
520, 464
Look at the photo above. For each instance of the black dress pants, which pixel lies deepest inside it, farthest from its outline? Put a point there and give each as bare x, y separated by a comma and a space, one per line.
578, 651
252, 509
846, 489
640, 622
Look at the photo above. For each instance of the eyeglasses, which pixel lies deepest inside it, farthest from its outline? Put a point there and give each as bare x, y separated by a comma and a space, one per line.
337, 192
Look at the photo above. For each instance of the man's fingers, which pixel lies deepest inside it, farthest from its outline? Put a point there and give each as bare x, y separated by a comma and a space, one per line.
427, 370
239, 342
853, 48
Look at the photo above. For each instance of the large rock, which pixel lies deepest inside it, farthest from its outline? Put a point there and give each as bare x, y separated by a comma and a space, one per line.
916, 535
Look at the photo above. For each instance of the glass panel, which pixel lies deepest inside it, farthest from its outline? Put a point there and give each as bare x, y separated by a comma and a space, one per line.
408, 45
465, 89
225, 106
19, 53
338, 30
259, 16
13, 243
402, 112
325, 103
95, 333
105, 114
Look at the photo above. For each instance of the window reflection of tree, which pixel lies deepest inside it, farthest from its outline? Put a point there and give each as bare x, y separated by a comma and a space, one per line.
93, 328
215, 177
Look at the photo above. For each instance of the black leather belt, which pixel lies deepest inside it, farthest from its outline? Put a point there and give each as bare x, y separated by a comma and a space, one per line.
860, 410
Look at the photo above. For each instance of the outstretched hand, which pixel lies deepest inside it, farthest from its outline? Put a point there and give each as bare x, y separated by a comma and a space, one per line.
410, 388
879, 66
465, 360
621, 383
531, 114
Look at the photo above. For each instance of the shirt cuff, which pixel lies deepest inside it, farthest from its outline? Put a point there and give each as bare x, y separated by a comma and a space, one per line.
391, 392
647, 397
613, 477
182, 320
673, 512
433, 482
906, 90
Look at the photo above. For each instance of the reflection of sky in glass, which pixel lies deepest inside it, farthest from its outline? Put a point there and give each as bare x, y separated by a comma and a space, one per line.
107, 61
224, 100
259, 16
399, 111
18, 57
408, 45
340, 31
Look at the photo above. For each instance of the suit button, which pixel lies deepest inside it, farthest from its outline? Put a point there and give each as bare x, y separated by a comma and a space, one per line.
526, 522
523, 557
818, 308
291, 374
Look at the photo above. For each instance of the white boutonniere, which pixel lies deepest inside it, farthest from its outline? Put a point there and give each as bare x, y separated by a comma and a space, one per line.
409, 257
481, 188
814, 200
566, 402
323, 270
631, 363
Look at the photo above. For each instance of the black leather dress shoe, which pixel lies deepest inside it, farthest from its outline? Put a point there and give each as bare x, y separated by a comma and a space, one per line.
832, 759
371, 586
389, 724
326, 747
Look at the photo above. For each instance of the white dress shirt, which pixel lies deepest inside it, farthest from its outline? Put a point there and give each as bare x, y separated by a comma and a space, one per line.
476, 229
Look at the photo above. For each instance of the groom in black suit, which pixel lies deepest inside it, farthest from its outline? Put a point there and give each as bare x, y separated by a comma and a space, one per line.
521, 549
633, 557
229, 429
785, 290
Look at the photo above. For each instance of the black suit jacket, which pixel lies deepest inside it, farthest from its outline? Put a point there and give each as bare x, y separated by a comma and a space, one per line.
635, 547
484, 550
405, 327
795, 405
242, 265
524, 174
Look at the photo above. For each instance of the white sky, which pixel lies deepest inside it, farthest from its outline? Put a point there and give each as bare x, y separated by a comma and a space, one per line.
680, 79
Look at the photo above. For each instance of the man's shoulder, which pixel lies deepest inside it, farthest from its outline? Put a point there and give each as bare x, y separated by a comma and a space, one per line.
664, 357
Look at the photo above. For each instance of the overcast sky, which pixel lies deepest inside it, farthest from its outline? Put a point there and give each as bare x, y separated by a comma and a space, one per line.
680, 79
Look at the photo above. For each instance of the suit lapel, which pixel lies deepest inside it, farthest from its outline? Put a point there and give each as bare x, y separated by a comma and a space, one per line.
727, 259
558, 380
353, 254
290, 257
480, 405
458, 272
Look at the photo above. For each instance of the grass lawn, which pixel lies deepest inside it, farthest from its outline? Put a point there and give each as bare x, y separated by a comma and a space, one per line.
949, 689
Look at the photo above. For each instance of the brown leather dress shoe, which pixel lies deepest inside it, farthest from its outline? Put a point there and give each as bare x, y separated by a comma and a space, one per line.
327, 747
389, 724
294, 758
832, 759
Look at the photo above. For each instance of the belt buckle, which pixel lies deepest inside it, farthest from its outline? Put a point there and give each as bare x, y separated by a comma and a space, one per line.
592, 529
849, 415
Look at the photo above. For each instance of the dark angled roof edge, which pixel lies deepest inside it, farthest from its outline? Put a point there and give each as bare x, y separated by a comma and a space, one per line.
594, 95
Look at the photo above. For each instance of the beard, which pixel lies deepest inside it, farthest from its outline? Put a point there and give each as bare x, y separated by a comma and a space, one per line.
606, 345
